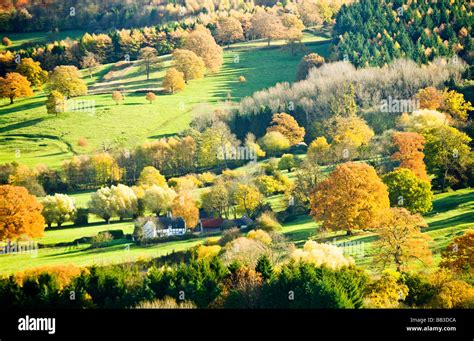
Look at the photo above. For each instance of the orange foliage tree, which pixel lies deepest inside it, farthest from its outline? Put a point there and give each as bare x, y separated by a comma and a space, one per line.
14, 86
459, 255
352, 197
20, 213
430, 98
185, 206
288, 127
410, 153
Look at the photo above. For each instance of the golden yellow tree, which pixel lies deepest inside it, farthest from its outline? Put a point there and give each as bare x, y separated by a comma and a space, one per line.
318, 150
173, 81
352, 197
191, 65
401, 240
248, 198
459, 255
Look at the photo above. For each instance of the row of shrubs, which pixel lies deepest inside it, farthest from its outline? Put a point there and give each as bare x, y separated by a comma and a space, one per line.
204, 283
210, 284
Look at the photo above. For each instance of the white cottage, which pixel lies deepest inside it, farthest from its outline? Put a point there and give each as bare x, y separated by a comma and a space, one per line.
149, 230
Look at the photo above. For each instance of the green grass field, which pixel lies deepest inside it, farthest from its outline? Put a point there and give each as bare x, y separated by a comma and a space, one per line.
29, 135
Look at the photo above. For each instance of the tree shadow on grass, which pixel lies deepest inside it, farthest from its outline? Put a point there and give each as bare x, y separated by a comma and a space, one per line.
461, 219
23, 124
451, 202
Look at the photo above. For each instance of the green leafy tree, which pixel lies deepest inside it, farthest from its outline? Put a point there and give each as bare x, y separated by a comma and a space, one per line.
407, 190
447, 155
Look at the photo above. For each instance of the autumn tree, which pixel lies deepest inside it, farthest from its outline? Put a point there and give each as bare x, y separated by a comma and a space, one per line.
455, 105
55, 103
350, 132
20, 214
6, 41
430, 98
202, 43
447, 154
117, 97
408, 191
150, 97
267, 25
218, 145
33, 72
102, 204
158, 199
319, 151
248, 199
89, 62
68, 80
124, 201
14, 86
459, 254
288, 126
173, 81
293, 30
312, 60
274, 143
149, 60
401, 240
216, 200
185, 206
105, 169
420, 120
352, 197
58, 209
229, 30
150, 176
410, 153
189, 64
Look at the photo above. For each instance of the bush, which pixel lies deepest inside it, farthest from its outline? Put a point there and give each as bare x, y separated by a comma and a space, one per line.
101, 239
229, 235
82, 217
274, 143
261, 236
420, 291
166, 303
320, 254
6, 41
268, 222
207, 252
